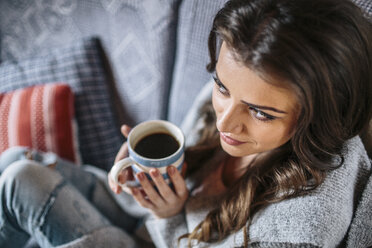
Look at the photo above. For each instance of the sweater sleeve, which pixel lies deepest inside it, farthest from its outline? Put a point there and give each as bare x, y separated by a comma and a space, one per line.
319, 219
165, 232
360, 232
322, 217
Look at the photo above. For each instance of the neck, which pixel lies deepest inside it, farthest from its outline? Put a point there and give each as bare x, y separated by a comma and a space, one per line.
234, 168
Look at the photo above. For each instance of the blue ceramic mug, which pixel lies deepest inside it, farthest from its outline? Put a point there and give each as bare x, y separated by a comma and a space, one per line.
152, 144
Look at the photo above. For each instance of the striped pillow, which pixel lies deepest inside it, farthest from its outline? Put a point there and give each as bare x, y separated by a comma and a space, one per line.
80, 65
40, 117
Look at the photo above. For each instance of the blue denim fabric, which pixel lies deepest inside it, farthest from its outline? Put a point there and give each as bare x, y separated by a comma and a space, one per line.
53, 205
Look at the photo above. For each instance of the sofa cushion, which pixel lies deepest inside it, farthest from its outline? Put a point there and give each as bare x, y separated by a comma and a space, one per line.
366, 6
40, 117
137, 35
190, 75
79, 65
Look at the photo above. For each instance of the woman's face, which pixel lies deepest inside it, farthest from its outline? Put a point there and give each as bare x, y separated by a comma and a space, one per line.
253, 116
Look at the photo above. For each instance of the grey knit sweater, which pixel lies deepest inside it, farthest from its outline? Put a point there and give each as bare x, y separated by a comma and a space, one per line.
325, 217
318, 219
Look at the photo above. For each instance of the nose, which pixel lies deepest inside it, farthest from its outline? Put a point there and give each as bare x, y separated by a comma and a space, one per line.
229, 120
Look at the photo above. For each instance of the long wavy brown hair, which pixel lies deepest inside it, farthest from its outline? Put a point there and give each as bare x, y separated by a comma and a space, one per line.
322, 50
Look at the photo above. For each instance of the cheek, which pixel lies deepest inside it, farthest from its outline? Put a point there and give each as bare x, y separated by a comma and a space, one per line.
267, 137
280, 131
288, 128
278, 136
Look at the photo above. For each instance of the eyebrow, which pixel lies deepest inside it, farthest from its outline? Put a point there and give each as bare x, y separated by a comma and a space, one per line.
263, 107
251, 104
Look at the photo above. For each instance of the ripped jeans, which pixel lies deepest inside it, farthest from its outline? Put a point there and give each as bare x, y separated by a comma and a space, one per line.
53, 205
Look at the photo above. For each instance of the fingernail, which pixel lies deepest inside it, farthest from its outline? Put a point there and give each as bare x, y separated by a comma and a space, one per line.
116, 190
120, 179
171, 170
141, 176
125, 175
154, 172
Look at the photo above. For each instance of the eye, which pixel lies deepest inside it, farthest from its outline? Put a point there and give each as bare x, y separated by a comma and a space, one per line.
260, 115
221, 87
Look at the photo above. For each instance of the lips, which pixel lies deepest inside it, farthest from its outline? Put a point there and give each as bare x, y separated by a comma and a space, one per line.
230, 140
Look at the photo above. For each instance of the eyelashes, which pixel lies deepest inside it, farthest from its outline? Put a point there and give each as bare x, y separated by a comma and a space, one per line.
221, 87
260, 115
255, 112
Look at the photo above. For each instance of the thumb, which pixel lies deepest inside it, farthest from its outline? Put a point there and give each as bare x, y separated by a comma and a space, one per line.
125, 129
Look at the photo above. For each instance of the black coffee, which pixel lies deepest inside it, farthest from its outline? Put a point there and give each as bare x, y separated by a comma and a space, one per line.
157, 145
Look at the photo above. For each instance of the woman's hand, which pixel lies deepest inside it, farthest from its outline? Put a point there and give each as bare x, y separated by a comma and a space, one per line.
127, 174
164, 202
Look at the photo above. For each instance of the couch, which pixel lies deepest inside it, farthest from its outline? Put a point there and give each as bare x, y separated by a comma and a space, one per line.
122, 61
125, 61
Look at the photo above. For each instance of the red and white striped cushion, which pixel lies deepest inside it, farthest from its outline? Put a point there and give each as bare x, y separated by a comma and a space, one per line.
40, 117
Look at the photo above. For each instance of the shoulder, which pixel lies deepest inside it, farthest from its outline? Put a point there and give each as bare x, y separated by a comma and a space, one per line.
322, 217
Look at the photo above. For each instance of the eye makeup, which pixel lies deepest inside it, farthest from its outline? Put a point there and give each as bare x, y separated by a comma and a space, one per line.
256, 110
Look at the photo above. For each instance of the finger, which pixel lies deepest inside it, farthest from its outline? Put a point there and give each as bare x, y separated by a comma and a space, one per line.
125, 129
123, 176
184, 169
149, 189
130, 174
123, 152
113, 186
165, 191
126, 175
140, 198
127, 188
178, 182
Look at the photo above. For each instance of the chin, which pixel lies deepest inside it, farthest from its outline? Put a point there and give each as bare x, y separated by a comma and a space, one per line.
234, 151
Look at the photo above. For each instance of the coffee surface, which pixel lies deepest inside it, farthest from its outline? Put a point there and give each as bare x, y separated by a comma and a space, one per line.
157, 145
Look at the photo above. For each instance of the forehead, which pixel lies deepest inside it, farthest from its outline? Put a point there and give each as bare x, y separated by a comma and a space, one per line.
249, 86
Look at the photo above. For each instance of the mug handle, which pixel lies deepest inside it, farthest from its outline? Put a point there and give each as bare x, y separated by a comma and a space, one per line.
118, 167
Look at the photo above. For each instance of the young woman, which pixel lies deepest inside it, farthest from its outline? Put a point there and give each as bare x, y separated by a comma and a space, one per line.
278, 164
